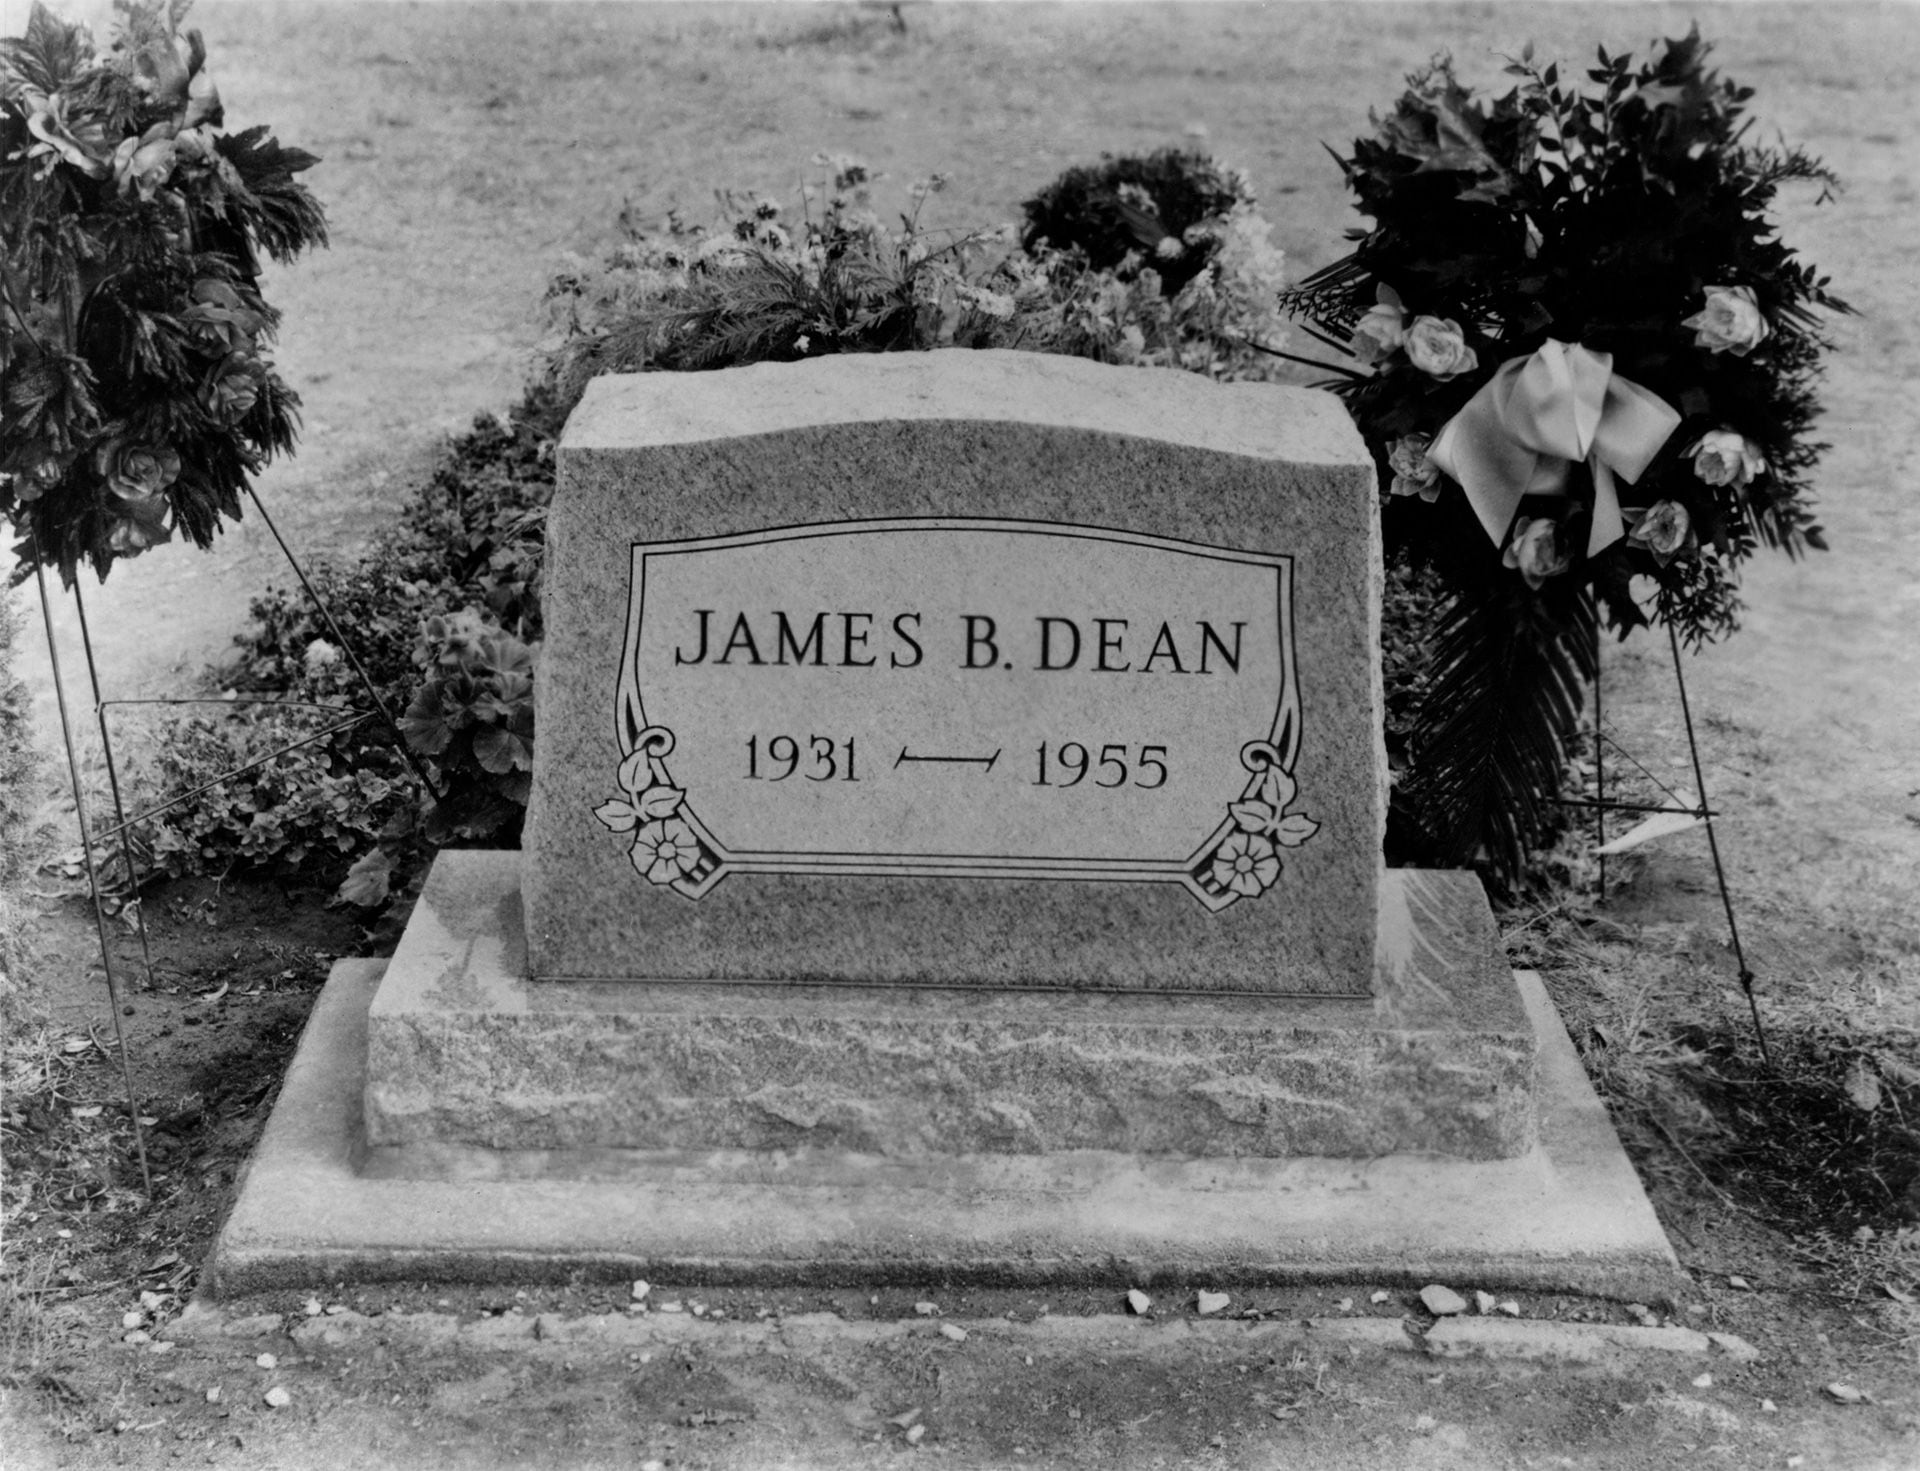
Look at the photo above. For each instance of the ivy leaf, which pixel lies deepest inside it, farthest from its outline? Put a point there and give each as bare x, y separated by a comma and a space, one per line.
661, 801
425, 725
500, 751
367, 882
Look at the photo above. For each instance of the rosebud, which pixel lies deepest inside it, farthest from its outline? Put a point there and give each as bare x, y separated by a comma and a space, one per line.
1413, 472
1536, 550
1726, 458
1381, 331
1664, 529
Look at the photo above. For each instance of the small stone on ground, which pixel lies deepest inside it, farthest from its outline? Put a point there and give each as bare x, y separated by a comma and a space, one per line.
1442, 1301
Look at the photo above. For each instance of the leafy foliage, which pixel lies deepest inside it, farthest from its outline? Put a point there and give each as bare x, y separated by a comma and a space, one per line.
464, 562
312, 805
1625, 216
1124, 212
474, 717
138, 392
686, 298
468, 539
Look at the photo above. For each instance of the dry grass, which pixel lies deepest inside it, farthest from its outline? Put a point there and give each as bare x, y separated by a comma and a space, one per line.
1818, 1138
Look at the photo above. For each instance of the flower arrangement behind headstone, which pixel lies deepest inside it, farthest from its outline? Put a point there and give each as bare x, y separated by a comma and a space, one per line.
1194, 280
138, 393
1587, 376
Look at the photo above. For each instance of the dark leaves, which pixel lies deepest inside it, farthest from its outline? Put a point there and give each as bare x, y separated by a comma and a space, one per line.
276, 210
50, 54
474, 716
130, 305
1602, 211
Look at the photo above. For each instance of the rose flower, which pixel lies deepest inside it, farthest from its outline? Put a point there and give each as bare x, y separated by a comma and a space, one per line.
1731, 321
136, 472
1437, 347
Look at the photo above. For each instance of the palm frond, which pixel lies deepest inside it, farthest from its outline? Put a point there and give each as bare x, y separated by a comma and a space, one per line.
1510, 670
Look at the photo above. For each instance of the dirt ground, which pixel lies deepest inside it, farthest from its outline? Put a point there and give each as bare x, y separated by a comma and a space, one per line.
467, 148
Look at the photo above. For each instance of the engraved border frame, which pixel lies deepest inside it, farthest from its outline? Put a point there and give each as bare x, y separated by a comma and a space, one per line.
1277, 746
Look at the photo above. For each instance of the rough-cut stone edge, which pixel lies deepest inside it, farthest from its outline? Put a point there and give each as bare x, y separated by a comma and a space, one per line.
635, 411
1571, 1216
465, 1054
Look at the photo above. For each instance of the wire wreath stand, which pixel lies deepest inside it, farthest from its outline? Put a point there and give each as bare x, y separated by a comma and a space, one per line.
1699, 810
122, 824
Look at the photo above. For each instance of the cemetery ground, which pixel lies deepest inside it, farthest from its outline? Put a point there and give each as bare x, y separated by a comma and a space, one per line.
450, 134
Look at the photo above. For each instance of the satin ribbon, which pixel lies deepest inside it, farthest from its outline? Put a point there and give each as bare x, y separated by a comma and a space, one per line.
1519, 436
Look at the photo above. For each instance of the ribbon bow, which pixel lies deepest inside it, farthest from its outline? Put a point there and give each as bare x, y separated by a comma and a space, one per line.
1519, 435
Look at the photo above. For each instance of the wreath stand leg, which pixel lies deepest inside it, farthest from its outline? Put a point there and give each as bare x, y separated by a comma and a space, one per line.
93, 876
1699, 809
1600, 770
1713, 846
122, 825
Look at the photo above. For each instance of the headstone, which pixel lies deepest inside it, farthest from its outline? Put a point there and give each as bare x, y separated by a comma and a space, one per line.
963, 669
954, 857
953, 754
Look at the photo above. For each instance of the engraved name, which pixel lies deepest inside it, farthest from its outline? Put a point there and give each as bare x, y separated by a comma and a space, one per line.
1050, 645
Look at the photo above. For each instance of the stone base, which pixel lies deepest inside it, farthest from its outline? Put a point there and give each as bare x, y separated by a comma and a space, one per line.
467, 1054
1567, 1215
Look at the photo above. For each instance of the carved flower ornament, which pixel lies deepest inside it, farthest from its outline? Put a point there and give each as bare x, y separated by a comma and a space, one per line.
1246, 862
665, 850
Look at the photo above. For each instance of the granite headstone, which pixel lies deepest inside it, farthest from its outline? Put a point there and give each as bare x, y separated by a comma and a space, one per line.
954, 753
963, 668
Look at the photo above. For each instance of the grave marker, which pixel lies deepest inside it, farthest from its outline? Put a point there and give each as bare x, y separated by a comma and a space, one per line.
954, 854
969, 669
